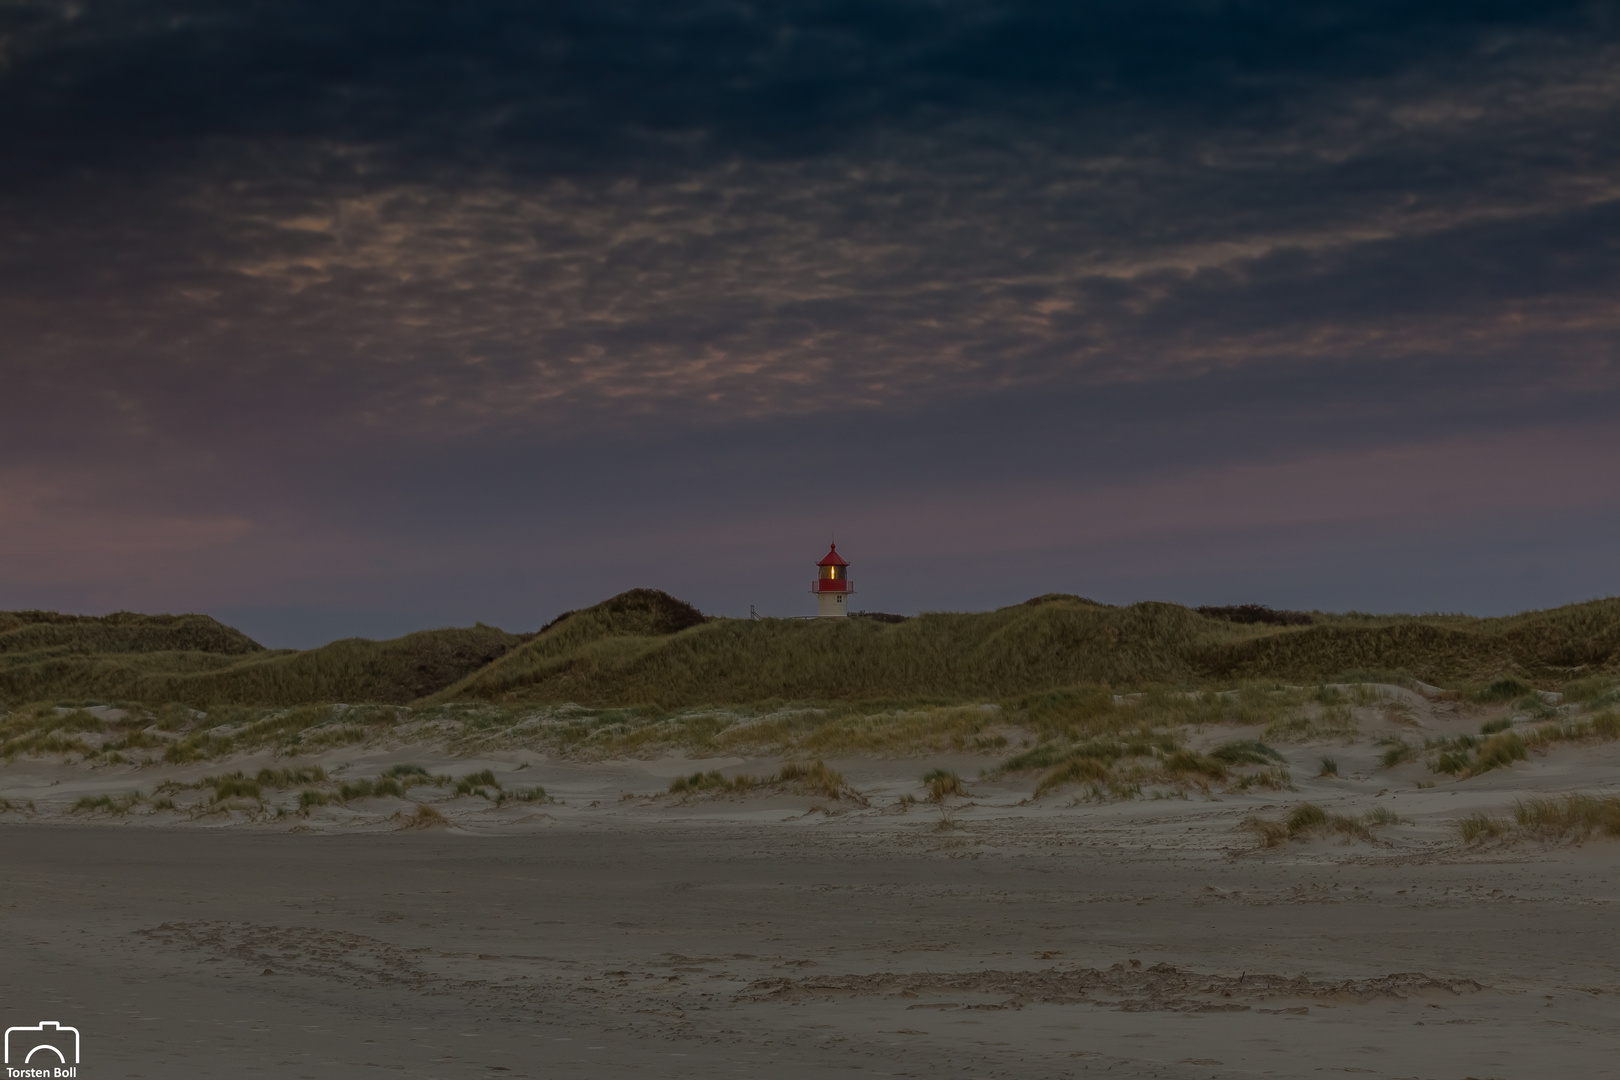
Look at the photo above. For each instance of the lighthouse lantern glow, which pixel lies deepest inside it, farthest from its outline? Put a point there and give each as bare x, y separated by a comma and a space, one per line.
832, 587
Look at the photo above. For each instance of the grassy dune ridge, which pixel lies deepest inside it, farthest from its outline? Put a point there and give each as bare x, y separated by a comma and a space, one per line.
1553, 645
46, 633
942, 657
644, 648
355, 669
1042, 645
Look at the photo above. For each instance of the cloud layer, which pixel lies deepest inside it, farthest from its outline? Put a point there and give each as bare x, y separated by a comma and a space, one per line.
308, 264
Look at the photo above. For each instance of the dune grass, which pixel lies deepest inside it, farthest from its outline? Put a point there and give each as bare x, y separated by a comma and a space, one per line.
1246, 752
776, 729
1275, 778
1122, 726
1477, 827
49, 634
1034, 648
1308, 820
354, 670
1047, 733
603, 659
1381, 815
1325, 722
1573, 817
1121, 768
371, 789
1549, 646
646, 650
43, 729
479, 784
238, 789
1397, 751
1110, 699
1507, 689
700, 782
1601, 727
815, 778
424, 817
1595, 690
196, 661
1465, 756
941, 784
109, 804
240, 785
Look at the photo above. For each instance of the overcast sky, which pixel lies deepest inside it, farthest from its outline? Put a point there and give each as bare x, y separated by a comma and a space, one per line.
335, 318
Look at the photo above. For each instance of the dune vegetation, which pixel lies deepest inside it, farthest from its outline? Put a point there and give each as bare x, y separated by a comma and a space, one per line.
194, 660
46, 633
280, 792
1578, 816
632, 669
615, 655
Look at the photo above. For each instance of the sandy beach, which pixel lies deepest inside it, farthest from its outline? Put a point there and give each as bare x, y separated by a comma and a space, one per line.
617, 931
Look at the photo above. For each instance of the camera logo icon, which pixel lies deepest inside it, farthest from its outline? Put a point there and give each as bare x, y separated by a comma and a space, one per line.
46, 1043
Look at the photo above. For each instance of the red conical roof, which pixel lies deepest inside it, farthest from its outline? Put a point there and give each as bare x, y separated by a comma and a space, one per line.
833, 559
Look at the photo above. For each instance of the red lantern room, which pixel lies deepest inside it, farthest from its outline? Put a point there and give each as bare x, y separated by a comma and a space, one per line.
832, 586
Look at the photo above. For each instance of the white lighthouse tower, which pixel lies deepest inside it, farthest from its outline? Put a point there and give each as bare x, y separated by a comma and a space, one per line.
832, 587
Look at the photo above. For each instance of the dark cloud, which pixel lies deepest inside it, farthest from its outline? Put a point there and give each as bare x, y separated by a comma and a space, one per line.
298, 271
579, 87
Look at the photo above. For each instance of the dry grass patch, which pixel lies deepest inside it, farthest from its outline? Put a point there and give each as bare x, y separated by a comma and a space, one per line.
425, 817
1103, 783
1599, 690
1477, 827
44, 729
1396, 751
475, 781
1057, 719
1308, 820
1604, 727
1574, 817
1119, 768
1509, 688
700, 782
816, 778
108, 804
941, 784
1272, 779
1321, 722
1470, 755
371, 789
851, 731
1246, 752
784, 729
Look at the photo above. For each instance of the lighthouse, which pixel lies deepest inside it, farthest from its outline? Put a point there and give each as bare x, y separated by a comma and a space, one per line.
832, 586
